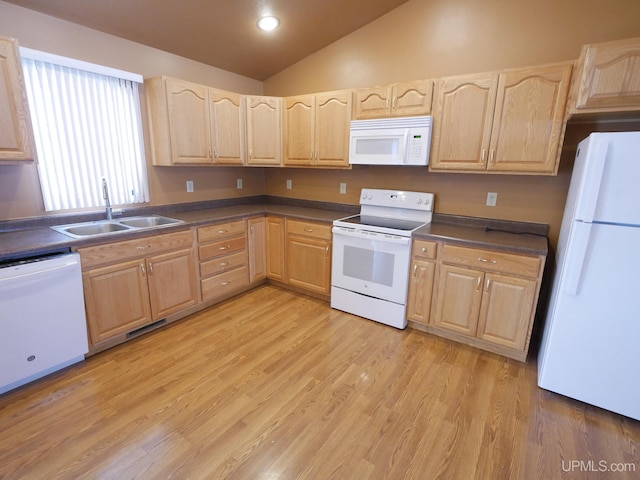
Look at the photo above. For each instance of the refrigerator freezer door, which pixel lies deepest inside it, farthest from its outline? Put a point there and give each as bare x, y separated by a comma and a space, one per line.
590, 347
604, 185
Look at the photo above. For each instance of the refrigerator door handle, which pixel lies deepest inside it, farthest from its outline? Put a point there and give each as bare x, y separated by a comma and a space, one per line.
576, 257
588, 201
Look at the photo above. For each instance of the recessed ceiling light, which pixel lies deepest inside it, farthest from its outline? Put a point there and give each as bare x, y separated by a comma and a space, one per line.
268, 23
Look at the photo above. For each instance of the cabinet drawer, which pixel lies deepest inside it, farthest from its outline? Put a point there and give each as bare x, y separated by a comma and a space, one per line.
221, 230
142, 247
424, 249
222, 264
493, 261
309, 229
223, 247
224, 283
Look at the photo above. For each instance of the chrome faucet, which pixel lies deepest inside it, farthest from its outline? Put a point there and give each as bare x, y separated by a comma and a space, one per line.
105, 195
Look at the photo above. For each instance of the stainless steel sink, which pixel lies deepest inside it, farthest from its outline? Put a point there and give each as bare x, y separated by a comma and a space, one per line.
106, 227
147, 222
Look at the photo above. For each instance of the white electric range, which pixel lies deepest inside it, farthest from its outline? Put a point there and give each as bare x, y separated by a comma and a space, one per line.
372, 254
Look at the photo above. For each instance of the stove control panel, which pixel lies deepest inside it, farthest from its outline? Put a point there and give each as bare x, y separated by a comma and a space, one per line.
397, 199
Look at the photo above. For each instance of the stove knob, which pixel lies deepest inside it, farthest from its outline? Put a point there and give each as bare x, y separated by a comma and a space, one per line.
419, 201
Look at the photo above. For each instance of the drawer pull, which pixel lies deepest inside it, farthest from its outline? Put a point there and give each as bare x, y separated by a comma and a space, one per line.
423, 249
225, 248
143, 247
222, 232
308, 230
224, 264
224, 284
484, 260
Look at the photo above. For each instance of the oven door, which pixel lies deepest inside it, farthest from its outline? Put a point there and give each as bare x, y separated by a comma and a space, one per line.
373, 264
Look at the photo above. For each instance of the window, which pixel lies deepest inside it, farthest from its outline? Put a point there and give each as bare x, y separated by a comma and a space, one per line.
87, 126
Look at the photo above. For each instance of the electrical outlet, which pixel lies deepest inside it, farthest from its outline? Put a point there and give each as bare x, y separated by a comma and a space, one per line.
239, 184
343, 188
190, 186
289, 184
492, 199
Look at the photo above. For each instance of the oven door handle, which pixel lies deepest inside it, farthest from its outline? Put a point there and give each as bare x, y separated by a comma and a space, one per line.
378, 237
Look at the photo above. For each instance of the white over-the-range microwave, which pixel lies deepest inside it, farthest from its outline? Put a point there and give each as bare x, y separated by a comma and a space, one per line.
391, 141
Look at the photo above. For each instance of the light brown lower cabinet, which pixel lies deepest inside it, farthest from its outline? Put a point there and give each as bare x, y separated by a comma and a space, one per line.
481, 297
421, 282
257, 240
222, 254
308, 254
133, 283
275, 248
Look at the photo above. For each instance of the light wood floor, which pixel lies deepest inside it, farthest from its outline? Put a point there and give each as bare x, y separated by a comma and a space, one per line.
275, 385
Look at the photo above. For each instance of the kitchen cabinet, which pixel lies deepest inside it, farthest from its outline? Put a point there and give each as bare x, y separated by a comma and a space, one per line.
505, 122
308, 256
133, 283
222, 255
396, 100
608, 77
275, 248
17, 142
316, 129
421, 281
192, 124
257, 239
264, 130
488, 298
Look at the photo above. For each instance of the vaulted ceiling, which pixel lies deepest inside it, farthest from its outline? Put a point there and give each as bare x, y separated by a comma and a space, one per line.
223, 33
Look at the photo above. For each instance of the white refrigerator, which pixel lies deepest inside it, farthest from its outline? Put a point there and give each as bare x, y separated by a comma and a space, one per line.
590, 347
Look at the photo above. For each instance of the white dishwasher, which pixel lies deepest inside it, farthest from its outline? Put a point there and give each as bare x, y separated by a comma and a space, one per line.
42, 318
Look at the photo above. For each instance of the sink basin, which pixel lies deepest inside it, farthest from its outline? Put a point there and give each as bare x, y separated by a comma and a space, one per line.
88, 229
147, 222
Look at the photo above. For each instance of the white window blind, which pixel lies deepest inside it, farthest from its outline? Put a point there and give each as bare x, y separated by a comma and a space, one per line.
87, 127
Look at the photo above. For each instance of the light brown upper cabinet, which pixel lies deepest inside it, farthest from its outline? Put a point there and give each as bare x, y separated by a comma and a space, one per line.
608, 77
396, 100
192, 124
264, 130
316, 129
16, 132
505, 122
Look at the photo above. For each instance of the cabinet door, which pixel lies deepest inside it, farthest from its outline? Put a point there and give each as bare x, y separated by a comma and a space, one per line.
309, 263
227, 120
264, 130
172, 282
372, 102
332, 117
189, 122
528, 120
409, 99
117, 299
507, 307
610, 76
275, 248
463, 113
420, 291
458, 299
299, 131
16, 133
257, 249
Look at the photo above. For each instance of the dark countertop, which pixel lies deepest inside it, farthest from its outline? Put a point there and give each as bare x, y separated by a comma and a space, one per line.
36, 240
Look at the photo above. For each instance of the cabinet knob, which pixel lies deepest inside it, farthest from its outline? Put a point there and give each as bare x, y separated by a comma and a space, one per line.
424, 249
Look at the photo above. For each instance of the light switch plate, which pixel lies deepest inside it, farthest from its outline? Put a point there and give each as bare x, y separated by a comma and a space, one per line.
239, 184
289, 184
190, 186
343, 188
492, 199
